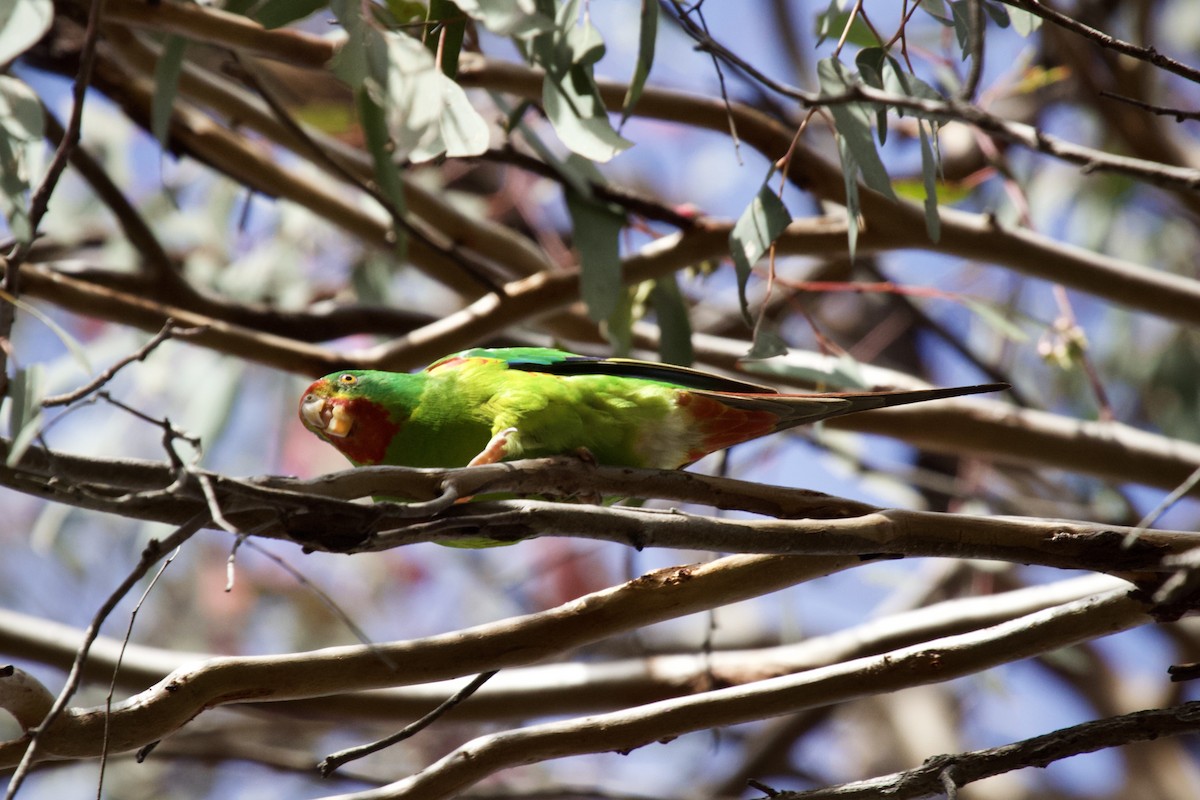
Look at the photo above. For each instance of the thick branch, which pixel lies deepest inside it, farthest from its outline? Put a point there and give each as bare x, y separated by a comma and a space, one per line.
577, 687
286, 509
664, 594
890, 225
933, 662
1039, 751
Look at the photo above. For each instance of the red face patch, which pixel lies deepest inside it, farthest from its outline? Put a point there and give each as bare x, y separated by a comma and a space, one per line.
370, 434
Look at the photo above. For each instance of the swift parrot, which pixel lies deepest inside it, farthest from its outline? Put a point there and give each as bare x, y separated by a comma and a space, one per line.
486, 405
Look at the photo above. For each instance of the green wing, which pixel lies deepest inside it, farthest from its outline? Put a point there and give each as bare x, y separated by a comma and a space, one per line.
560, 362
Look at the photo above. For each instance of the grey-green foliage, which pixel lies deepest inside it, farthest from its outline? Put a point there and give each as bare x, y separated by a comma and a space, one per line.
567, 53
752, 236
20, 152
22, 23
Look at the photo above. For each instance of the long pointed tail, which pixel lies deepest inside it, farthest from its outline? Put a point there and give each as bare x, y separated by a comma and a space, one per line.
799, 409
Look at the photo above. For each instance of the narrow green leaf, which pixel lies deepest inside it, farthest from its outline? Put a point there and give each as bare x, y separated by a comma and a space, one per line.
853, 121
929, 173
850, 180
870, 62
447, 25
597, 228
647, 35
674, 325
166, 85
22, 24
618, 328
364, 52
937, 9
70, 342
994, 319
387, 173
406, 12
962, 25
277, 13
21, 151
832, 21
26, 412
752, 236
997, 12
767, 344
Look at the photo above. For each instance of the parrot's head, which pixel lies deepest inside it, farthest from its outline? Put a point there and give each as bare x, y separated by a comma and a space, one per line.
350, 410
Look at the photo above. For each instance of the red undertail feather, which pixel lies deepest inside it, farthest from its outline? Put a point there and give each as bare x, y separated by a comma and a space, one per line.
721, 425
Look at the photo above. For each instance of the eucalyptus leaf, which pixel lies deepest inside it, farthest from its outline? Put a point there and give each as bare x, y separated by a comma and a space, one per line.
26, 420
997, 12
831, 23
277, 13
573, 106
597, 227
962, 25
752, 236
647, 35
514, 18
22, 24
463, 132
1023, 22
929, 174
674, 325
166, 85
853, 121
387, 174
618, 328
938, 10
70, 342
445, 26
767, 344
997, 321
21, 124
853, 207
570, 96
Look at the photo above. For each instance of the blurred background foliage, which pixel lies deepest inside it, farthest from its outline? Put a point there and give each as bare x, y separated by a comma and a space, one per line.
333, 184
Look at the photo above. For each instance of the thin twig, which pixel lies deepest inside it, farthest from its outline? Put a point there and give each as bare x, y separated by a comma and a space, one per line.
39, 201
169, 331
112, 684
683, 19
1179, 114
153, 552
932, 777
325, 599
975, 44
1147, 54
332, 762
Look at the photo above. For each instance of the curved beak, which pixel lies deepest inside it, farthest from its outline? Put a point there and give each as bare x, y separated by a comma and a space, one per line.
324, 415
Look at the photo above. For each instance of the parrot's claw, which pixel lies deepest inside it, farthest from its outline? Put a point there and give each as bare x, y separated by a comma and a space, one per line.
494, 451
586, 456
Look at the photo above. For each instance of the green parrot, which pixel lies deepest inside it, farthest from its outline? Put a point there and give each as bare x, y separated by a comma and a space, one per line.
481, 406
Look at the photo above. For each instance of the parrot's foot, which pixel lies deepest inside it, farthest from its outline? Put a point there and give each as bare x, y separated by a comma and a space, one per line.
586, 456
494, 451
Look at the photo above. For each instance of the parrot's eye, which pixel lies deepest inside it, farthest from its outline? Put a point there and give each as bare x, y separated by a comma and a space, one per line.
347, 379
